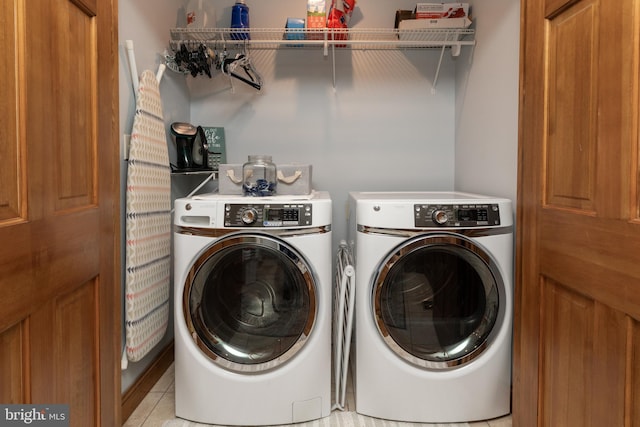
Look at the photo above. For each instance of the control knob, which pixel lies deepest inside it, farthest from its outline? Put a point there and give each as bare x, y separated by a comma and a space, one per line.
439, 217
249, 216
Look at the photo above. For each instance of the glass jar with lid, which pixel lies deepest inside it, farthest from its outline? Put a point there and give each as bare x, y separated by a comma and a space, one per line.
259, 176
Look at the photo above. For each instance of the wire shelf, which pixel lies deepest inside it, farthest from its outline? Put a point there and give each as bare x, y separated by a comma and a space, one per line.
354, 38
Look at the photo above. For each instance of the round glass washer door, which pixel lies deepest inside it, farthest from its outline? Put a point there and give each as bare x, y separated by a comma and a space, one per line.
436, 300
250, 302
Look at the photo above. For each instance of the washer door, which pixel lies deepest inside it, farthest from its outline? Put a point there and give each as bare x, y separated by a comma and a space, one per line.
250, 302
436, 300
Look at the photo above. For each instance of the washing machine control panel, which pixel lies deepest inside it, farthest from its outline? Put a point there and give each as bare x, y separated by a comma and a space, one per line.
267, 215
456, 215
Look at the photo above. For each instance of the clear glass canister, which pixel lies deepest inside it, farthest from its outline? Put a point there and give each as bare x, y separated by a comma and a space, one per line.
259, 176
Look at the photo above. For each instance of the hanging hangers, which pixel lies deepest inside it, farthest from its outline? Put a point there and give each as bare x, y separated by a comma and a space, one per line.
196, 58
241, 60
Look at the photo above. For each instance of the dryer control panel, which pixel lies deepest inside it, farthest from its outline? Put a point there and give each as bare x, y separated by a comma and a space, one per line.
456, 215
267, 215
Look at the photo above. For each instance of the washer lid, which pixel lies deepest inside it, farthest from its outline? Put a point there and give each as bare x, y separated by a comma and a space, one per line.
438, 300
250, 302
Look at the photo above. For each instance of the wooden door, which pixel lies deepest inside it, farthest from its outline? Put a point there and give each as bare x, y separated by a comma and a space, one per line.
577, 330
59, 207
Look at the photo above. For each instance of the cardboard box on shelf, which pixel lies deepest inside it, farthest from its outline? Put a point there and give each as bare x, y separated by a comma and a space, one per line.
294, 30
421, 24
402, 15
316, 18
442, 10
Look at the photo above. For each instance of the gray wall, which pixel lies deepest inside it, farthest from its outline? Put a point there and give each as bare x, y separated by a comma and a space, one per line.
487, 102
381, 127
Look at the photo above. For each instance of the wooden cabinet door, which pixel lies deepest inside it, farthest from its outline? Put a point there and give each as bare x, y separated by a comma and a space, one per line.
59, 207
577, 330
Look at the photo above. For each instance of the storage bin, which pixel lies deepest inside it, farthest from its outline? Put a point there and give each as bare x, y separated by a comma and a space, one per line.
293, 179
230, 179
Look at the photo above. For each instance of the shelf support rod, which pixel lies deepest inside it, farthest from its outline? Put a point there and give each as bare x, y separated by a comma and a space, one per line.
325, 49
202, 184
435, 78
333, 63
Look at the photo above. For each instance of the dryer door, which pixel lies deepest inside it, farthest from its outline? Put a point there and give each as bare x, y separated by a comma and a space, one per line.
250, 302
438, 300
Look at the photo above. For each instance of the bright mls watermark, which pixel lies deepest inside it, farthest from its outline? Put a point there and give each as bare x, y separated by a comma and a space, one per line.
34, 415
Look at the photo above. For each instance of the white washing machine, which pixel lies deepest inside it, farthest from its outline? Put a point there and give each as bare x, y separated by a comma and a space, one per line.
434, 293
253, 309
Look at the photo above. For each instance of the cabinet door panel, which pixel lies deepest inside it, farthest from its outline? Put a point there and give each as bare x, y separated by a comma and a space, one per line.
571, 143
11, 180
59, 206
585, 346
64, 355
578, 238
11, 368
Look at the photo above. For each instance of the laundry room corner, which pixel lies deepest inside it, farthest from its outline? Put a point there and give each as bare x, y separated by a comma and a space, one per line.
487, 102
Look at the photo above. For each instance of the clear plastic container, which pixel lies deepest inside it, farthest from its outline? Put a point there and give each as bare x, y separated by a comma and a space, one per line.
201, 14
259, 176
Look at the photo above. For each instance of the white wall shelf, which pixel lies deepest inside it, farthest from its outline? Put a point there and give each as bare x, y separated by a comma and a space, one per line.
352, 38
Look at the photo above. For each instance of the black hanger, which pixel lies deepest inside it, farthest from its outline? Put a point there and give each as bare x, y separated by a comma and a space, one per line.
195, 61
241, 60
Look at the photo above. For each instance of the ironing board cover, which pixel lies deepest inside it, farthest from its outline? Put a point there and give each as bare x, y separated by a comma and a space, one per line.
148, 224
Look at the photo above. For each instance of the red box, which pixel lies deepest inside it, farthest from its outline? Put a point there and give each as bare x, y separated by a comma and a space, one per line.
442, 10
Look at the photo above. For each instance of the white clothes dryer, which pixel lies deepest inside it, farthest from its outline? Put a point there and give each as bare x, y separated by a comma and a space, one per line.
253, 309
434, 293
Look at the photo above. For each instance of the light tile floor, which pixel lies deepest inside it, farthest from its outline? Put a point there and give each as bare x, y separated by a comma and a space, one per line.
159, 406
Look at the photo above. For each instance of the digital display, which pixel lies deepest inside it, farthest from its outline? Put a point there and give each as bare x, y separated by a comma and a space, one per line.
274, 215
472, 215
284, 214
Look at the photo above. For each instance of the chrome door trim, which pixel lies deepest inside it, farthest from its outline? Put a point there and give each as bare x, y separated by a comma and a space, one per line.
221, 232
412, 232
304, 267
424, 240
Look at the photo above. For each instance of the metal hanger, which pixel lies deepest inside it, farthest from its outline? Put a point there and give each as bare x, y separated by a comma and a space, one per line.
241, 60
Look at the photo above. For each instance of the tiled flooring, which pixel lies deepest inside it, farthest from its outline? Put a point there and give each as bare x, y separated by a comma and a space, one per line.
158, 406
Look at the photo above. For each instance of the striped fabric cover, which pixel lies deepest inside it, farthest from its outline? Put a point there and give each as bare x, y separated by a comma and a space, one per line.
148, 224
